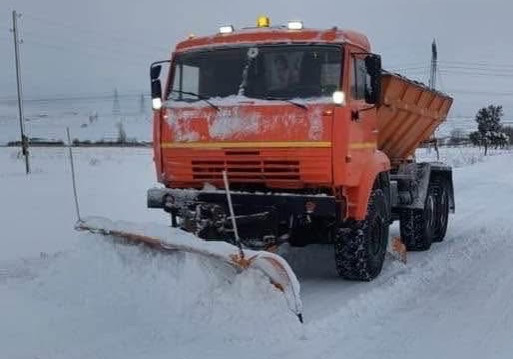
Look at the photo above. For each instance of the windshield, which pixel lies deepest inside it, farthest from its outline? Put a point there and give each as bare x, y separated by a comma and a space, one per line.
273, 72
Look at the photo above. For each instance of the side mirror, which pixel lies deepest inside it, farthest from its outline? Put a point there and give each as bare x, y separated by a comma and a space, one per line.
155, 72
373, 87
156, 89
156, 85
156, 94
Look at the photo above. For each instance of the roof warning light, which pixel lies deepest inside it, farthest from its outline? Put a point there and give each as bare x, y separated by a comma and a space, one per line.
263, 21
295, 25
226, 29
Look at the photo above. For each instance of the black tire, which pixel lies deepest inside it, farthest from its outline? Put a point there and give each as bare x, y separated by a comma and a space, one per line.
442, 209
421, 227
414, 232
360, 250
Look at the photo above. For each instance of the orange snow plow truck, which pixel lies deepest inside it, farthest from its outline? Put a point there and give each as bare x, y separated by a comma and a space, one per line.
317, 142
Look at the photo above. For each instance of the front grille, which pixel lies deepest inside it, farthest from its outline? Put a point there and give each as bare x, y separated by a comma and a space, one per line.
246, 170
269, 167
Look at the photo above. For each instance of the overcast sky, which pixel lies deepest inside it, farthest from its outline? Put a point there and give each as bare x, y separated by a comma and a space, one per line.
77, 48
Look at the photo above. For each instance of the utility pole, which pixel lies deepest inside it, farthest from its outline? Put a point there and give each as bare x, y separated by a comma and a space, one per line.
434, 64
116, 108
24, 139
432, 85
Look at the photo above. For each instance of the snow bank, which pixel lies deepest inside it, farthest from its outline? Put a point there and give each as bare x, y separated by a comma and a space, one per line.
88, 119
71, 295
104, 300
458, 156
39, 208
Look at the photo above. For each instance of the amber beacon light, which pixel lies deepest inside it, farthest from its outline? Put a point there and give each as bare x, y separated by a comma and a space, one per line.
263, 21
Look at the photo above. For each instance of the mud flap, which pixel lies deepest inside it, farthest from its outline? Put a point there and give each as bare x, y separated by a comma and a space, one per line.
397, 250
271, 265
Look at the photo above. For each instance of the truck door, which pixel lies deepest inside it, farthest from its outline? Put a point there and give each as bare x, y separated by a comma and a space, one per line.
363, 124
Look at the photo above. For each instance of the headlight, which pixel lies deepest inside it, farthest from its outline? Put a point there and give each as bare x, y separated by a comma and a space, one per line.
156, 103
339, 98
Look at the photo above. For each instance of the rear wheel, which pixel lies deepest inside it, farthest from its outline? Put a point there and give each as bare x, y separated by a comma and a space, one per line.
421, 227
360, 250
415, 230
442, 209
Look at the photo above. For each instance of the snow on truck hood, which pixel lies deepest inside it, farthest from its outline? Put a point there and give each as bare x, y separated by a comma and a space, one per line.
239, 116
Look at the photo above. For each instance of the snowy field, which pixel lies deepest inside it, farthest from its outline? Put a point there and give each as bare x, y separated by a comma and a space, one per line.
88, 119
73, 295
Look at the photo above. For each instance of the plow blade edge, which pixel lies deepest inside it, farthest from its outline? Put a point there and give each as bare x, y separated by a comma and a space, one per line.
271, 265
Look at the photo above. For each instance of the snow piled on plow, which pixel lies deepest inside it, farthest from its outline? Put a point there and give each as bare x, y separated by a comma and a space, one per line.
167, 239
108, 300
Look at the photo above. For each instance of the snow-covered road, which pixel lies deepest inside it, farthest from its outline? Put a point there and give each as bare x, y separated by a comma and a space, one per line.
83, 298
451, 302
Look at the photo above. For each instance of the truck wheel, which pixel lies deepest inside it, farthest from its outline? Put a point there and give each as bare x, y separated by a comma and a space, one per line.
360, 250
421, 227
442, 209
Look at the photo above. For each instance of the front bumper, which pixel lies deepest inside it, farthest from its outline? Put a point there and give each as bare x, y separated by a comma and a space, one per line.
285, 204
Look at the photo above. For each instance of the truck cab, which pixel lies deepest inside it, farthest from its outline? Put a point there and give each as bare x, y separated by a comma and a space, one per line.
291, 116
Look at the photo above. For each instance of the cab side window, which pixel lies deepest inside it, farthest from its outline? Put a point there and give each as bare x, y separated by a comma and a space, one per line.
186, 79
360, 80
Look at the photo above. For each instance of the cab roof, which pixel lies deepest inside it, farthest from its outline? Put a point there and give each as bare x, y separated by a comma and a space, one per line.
276, 35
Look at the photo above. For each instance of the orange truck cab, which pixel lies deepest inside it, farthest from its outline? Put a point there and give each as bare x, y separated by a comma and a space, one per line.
316, 141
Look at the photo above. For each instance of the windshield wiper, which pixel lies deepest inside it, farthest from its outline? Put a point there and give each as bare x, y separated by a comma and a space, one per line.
200, 97
300, 105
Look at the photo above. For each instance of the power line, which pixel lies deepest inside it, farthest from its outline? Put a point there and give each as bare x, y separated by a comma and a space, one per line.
95, 45
92, 46
460, 71
479, 68
115, 38
476, 74
77, 98
457, 69
487, 67
89, 49
100, 53
478, 63
96, 96
101, 56
407, 64
490, 93
409, 68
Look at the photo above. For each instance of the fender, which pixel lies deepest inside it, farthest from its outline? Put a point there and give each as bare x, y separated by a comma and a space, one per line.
422, 174
358, 197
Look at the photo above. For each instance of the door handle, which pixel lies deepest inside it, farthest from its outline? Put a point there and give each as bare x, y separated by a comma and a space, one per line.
355, 115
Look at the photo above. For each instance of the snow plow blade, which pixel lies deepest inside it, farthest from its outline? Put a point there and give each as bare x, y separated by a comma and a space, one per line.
271, 265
